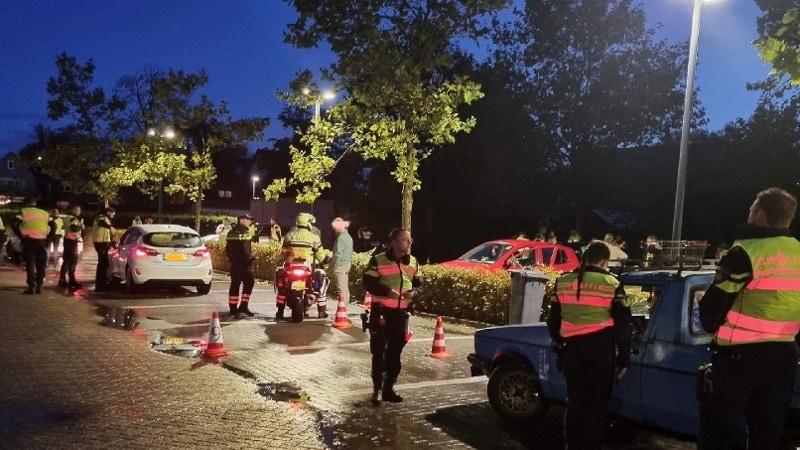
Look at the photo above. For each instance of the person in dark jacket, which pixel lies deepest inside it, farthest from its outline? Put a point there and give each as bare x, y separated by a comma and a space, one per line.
238, 247
753, 309
590, 319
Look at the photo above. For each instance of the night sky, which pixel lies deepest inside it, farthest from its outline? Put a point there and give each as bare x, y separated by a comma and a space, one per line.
240, 44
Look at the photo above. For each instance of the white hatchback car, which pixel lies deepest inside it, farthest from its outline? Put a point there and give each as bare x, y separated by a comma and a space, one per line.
161, 255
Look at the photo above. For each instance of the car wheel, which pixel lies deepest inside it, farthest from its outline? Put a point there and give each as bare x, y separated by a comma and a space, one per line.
204, 289
514, 393
130, 285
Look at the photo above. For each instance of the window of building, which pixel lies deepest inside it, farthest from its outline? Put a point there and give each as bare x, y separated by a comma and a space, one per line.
10, 164
224, 194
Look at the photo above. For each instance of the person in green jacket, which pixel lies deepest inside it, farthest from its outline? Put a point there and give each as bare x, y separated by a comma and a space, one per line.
342, 257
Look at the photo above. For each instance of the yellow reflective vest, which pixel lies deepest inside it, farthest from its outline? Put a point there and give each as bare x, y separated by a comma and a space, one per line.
591, 312
34, 222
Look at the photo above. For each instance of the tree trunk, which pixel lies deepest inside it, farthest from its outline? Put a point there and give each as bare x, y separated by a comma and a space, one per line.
408, 191
198, 210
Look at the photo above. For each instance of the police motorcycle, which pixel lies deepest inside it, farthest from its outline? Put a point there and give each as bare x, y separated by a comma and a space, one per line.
303, 284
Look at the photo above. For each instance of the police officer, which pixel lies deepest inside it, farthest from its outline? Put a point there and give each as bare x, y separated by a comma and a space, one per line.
102, 231
238, 247
73, 229
392, 279
302, 242
753, 308
32, 226
590, 319
56, 235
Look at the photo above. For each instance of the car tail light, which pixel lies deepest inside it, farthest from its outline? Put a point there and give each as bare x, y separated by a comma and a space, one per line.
144, 251
202, 253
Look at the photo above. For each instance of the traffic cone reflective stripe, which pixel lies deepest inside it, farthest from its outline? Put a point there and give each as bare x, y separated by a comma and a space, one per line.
215, 347
439, 350
367, 300
341, 316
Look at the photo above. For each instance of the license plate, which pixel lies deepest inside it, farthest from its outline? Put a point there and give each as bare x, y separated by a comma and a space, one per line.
298, 285
174, 257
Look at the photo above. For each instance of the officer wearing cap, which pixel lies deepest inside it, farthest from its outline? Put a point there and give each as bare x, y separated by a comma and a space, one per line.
240, 254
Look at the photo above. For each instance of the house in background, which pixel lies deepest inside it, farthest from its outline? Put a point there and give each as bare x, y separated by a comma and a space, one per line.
16, 180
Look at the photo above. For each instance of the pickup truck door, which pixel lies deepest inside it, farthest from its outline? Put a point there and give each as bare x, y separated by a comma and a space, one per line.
675, 345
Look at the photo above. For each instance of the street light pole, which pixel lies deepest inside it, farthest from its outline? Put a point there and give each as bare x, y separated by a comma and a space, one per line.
255, 179
677, 221
168, 134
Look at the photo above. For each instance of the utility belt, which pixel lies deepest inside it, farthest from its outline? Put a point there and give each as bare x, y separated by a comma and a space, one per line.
375, 317
391, 303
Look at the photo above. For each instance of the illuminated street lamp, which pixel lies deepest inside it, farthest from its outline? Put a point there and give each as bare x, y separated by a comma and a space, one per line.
168, 134
324, 95
255, 180
677, 221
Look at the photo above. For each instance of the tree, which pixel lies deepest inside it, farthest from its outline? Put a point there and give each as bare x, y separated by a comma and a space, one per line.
399, 111
779, 38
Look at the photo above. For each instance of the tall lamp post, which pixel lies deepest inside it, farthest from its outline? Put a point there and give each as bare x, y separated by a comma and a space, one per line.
320, 96
677, 221
168, 134
255, 180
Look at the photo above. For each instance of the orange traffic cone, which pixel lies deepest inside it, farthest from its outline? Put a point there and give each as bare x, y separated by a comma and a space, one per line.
367, 301
215, 348
439, 351
341, 318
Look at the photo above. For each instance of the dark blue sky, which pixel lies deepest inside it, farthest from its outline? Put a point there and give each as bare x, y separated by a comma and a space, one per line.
240, 45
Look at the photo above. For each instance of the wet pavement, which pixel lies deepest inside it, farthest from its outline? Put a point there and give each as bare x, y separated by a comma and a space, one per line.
315, 377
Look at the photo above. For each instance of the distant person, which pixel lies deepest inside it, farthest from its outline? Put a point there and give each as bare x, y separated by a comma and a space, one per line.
275, 232
73, 227
2, 243
652, 251
342, 257
521, 236
56, 224
551, 237
224, 227
590, 320
753, 309
574, 238
33, 225
136, 221
103, 233
720, 251
541, 235
365, 242
148, 220
617, 254
619, 241
238, 248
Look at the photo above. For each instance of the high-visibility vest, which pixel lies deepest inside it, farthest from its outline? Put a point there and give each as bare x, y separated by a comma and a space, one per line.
72, 227
396, 276
768, 308
59, 223
101, 234
34, 222
591, 311
301, 243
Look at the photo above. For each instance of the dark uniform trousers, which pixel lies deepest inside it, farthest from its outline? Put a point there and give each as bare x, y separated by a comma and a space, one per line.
70, 262
241, 274
589, 371
753, 381
34, 253
386, 341
101, 275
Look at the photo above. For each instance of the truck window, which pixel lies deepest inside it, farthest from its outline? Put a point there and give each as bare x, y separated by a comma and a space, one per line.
643, 299
694, 314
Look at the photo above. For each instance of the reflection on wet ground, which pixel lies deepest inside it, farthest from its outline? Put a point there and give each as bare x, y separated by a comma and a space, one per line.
119, 318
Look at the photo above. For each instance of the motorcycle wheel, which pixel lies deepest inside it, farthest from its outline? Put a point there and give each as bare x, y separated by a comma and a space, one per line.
297, 310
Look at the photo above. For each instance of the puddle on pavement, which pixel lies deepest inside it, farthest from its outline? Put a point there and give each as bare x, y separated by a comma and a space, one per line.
119, 318
284, 391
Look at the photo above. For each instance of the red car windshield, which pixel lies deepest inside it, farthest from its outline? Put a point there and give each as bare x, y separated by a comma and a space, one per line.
487, 253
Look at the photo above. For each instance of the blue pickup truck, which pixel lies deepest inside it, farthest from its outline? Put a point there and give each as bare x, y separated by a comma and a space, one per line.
659, 387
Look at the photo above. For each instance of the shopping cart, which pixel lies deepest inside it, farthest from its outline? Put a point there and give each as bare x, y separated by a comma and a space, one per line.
678, 254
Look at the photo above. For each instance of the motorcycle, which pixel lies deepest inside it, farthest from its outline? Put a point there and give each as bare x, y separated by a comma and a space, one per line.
302, 285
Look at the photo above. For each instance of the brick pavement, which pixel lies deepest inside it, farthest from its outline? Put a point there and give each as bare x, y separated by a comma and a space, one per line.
67, 382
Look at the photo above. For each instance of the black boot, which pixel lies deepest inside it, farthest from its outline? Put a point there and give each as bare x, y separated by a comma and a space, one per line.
321, 312
62, 282
389, 395
234, 309
28, 291
279, 314
38, 288
243, 309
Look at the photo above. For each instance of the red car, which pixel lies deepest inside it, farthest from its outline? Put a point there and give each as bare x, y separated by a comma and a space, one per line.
504, 254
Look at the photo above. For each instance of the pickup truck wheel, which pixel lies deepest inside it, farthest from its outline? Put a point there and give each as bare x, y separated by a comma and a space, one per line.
514, 393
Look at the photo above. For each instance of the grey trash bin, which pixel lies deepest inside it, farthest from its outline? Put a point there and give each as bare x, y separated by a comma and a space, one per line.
527, 296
